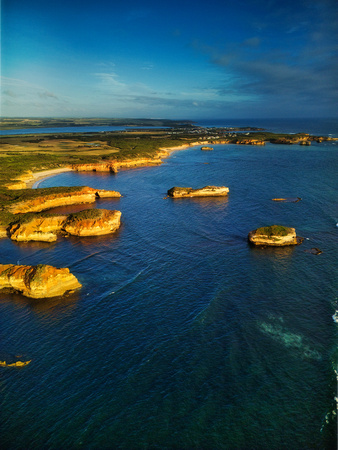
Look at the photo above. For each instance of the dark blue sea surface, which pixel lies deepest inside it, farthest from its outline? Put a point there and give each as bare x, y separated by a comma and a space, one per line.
183, 336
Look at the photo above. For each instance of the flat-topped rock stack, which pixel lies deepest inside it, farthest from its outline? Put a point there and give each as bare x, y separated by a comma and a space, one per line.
113, 166
41, 281
53, 199
206, 191
274, 235
46, 228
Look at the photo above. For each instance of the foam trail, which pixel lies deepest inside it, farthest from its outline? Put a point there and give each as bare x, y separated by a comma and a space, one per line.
290, 340
130, 281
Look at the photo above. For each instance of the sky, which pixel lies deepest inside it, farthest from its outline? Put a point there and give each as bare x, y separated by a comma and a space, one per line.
175, 60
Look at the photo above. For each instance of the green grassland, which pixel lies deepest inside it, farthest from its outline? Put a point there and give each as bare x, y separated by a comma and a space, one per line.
19, 154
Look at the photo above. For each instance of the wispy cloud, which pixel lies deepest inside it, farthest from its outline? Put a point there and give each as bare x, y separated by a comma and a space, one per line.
110, 80
9, 93
20, 97
47, 94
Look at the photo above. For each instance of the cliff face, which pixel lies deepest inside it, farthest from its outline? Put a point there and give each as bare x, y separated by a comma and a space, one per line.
37, 229
37, 281
48, 201
207, 191
107, 222
250, 141
3, 231
267, 237
114, 166
91, 222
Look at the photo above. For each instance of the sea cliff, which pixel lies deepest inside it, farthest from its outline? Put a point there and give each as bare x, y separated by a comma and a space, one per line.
46, 228
92, 222
37, 281
206, 191
38, 203
274, 235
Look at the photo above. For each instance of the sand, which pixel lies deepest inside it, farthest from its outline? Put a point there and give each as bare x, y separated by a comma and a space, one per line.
38, 177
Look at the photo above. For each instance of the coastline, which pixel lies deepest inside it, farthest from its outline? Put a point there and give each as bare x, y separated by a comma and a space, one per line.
38, 177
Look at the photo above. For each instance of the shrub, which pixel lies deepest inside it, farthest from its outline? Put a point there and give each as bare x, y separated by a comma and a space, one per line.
273, 230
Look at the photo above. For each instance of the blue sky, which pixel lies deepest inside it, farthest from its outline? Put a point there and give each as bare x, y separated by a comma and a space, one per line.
177, 59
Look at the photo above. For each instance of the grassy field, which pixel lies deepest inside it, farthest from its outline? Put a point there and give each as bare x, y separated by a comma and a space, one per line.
18, 154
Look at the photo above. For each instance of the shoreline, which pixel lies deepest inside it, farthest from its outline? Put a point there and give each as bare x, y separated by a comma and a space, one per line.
39, 177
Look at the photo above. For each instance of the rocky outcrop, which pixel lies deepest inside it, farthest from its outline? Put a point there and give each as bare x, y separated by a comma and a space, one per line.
274, 235
302, 139
93, 222
15, 364
37, 281
90, 222
96, 167
250, 141
287, 200
37, 228
3, 231
56, 199
114, 166
206, 148
314, 251
207, 191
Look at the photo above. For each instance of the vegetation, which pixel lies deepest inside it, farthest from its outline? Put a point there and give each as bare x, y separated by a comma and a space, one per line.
6, 218
273, 230
85, 214
21, 219
37, 152
7, 197
22, 153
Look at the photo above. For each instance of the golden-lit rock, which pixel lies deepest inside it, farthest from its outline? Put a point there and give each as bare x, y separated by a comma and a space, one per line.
56, 199
39, 281
206, 191
3, 231
250, 141
92, 222
274, 235
46, 228
15, 364
114, 165
37, 229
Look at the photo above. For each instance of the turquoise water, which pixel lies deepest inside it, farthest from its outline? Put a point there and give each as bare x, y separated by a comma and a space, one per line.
183, 336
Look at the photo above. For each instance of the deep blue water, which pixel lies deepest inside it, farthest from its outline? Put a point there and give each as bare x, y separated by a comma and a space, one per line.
183, 336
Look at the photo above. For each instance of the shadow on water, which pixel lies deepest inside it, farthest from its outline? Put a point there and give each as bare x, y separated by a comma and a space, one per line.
45, 308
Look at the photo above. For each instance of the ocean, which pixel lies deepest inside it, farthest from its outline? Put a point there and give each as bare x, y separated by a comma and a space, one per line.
183, 336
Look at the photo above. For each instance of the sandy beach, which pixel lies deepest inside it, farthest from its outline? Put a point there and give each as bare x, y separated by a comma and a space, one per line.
38, 177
